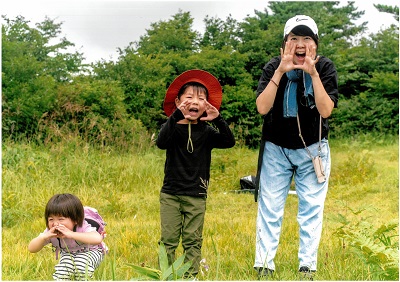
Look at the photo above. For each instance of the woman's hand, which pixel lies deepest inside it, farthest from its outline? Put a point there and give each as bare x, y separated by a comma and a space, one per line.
310, 60
287, 56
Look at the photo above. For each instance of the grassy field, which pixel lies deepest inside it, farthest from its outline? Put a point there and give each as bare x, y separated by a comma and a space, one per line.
125, 187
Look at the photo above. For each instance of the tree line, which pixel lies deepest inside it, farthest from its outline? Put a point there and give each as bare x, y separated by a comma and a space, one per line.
48, 93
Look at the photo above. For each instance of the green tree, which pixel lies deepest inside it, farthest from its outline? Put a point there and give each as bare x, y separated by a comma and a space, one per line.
370, 85
388, 9
143, 80
45, 94
259, 40
33, 63
219, 33
175, 35
43, 83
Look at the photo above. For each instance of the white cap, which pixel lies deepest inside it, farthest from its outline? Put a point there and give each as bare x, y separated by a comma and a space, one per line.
300, 20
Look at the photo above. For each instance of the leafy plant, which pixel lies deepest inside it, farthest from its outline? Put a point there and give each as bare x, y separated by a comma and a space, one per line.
379, 248
176, 271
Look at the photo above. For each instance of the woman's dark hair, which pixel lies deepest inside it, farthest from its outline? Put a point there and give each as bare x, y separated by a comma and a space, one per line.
66, 205
197, 87
302, 30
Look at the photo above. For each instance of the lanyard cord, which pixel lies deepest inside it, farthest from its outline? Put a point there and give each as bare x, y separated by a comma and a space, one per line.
189, 145
304, 143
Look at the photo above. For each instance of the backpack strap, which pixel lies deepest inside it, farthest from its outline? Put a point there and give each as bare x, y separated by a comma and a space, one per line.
93, 223
58, 247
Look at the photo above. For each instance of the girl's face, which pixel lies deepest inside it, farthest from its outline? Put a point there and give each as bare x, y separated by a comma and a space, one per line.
56, 220
196, 102
302, 42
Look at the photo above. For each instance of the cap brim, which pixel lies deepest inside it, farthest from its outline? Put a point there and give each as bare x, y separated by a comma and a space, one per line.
205, 78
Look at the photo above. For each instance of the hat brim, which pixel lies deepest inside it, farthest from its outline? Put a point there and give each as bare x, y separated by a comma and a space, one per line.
205, 78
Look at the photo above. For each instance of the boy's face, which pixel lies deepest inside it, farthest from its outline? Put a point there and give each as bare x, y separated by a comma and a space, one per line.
302, 43
195, 103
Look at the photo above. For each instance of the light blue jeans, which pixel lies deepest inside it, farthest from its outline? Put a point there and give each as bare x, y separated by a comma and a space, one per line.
279, 166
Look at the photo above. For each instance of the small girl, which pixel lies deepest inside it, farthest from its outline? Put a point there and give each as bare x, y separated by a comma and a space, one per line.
82, 247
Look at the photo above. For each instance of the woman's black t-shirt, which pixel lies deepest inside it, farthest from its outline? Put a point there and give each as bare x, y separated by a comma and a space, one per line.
284, 131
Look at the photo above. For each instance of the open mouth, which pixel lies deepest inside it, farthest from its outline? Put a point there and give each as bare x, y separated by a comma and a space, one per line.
300, 55
193, 110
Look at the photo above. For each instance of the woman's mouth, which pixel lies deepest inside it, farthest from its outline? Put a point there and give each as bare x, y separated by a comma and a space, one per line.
300, 58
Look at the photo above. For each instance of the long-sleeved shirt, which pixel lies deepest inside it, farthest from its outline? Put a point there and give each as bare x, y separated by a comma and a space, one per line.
186, 172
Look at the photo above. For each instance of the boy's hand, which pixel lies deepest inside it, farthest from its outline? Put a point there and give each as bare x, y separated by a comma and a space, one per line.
183, 107
211, 112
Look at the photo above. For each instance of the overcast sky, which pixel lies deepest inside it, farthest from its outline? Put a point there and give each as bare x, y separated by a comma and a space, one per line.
99, 27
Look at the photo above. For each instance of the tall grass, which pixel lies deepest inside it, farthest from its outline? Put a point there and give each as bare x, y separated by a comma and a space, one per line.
125, 187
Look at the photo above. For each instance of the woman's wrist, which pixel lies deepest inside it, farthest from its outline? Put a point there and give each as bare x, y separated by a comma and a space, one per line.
315, 74
278, 74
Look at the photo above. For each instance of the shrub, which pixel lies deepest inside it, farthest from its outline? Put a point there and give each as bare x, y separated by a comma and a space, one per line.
379, 248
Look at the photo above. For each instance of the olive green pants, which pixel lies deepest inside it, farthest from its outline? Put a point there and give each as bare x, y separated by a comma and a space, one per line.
183, 216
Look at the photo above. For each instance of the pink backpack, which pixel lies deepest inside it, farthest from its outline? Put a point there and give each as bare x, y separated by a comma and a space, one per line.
93, 218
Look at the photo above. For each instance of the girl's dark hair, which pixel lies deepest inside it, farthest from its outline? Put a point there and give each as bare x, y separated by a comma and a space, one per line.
301, 30
197, 87
66, 205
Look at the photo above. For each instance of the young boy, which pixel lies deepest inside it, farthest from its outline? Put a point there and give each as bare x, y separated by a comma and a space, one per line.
193, 98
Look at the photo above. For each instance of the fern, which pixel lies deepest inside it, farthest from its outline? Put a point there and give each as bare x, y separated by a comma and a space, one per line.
378, 248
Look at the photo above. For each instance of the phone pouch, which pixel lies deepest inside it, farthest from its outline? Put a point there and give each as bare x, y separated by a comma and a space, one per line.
319, 169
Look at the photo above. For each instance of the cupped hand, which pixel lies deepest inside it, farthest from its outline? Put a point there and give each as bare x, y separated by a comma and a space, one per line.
52, 232
211, 112
310, 60
287, 56
63, 232
184, 108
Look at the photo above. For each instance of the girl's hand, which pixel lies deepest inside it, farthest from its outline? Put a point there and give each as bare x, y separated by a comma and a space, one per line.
211, 112
63, 232
51, 233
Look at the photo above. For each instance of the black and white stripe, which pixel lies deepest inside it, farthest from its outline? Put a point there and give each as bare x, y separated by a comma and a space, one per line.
78, 266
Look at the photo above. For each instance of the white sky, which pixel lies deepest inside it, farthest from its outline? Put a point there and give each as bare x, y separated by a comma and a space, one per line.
99, 27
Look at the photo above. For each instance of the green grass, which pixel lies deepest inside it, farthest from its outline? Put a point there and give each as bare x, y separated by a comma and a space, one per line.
125, 187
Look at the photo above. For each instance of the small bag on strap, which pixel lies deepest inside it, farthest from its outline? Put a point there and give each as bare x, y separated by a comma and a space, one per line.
317, 161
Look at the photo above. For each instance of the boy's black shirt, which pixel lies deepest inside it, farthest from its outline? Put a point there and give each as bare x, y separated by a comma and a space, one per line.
189, 173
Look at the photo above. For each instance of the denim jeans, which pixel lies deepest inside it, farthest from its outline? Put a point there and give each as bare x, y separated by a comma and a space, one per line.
279, 167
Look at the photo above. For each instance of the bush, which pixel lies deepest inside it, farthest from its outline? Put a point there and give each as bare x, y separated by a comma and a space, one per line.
379, 247
365, 113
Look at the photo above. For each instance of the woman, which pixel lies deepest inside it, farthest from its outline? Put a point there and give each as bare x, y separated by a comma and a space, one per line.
296, 94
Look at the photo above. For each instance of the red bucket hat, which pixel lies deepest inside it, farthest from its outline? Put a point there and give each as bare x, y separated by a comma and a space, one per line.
207, 79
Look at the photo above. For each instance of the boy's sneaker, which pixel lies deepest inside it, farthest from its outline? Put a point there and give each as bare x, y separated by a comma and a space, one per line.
263, 272
306, 273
